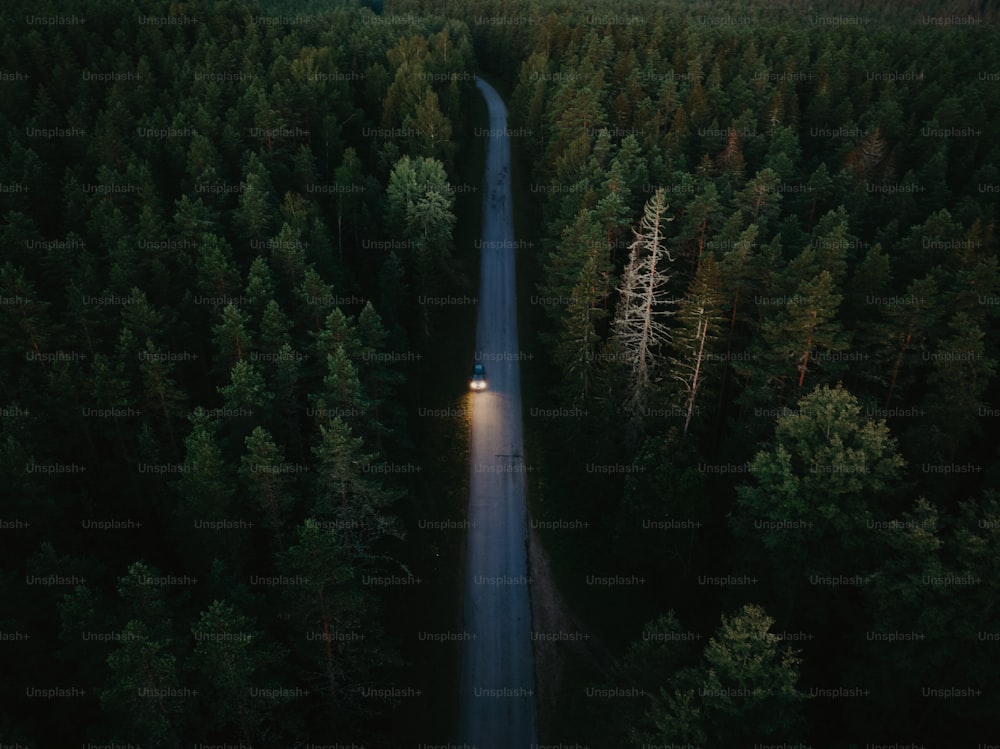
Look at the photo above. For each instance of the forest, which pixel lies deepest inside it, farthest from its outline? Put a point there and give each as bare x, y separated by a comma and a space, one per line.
759, 274
213, 260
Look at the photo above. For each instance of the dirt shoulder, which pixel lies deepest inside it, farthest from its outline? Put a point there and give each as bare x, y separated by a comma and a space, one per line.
558, 635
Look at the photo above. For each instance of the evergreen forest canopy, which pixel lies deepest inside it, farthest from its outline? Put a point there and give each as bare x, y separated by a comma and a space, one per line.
213, 258
218, 222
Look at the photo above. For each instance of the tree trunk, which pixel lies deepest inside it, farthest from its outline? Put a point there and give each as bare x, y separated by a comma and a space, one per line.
805, 357
703, 329
701, 246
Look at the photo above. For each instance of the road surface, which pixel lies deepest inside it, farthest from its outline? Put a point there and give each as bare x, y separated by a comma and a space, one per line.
497, 701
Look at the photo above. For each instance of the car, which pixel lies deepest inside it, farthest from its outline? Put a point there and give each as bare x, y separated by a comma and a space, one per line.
478, 381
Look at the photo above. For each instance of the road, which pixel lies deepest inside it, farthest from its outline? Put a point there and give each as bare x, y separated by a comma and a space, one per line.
497, 701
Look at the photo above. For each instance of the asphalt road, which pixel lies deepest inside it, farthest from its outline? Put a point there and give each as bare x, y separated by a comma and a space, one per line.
497, 701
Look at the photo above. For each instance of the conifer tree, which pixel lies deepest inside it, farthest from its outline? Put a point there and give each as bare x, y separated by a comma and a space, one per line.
744, 688
699, 320
640, 320
263, 472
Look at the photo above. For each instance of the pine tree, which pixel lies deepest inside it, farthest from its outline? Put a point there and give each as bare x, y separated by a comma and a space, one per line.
902, 594
231, 337
327, 597
217, 275
831, 242
262, 471
314, 297
161, 393
342, 392
612, 209
141, 317
145, 603
260, 288
434, 128
255, 214
578, 271
783, 154
700, 321
420, 210
406, 60
338, 331
246, 392
739, 268
227, 655
288, 255
145, 681
193, 219
744, 688
207, 485
359, 503
903, 334
664, 650
807, 323
700, 216
730, 162
820, 185
760, 198
744, 654
639, 324
869, 159
275, 328
565, 262
576, 348
831, 470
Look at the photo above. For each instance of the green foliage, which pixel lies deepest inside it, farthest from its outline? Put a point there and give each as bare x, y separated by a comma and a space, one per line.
217, 270
263, 473
743, 689
827, 470
420, 211
146, 695
357, 503
852, 249
228, 655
